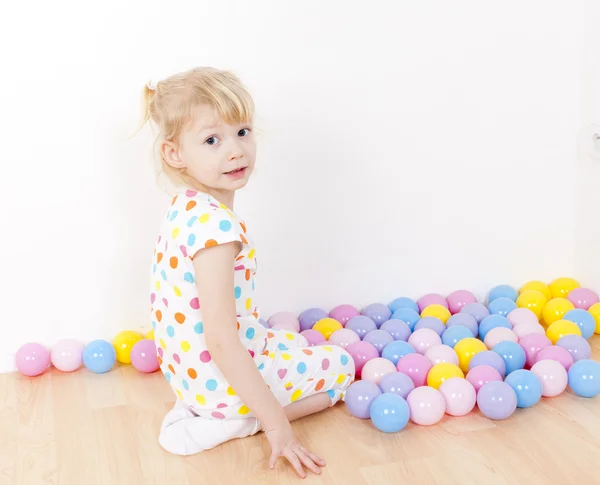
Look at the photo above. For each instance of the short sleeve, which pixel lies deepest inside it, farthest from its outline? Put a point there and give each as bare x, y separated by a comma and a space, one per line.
199, 221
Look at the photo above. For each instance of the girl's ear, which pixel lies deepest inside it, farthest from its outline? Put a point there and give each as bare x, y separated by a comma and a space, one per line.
170, 153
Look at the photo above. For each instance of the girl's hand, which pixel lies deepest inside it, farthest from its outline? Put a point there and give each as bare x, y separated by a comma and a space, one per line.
284, 443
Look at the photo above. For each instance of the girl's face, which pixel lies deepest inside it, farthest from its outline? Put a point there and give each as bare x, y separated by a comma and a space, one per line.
217, 155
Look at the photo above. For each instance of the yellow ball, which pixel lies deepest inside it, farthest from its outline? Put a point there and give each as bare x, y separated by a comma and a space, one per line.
466, 349
555, 310
123, 343
540, 286
437, 311
442, 372
595, 311
560, 328
326, 326
150, 335
561, 287
534, 300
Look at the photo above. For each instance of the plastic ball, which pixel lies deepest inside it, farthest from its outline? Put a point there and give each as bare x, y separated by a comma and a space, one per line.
286, 319
397, 383
389, 413
532, 344
553, 376
310, 316
442, 372
150, 335
499, 334
532, 300
415, 366
313, 337
584, 378
577, 346
584, 320
327, 326
453, 335
378, 312
403, 302
432, 323
361, 325
427, 406
464, 320
343, 338
482, 374
583, 298
379, 339
561, 287
560, 328
123, 343
554, 352
67, 355
361, 353
431, 299
502, 291
497, 400
343, 313
540, 286
437, 311
376, 368
144, 357
263, 322
398, 329
466, 349
459, 396
359, 397
408, 315
595, 312
442, 354
502, 306
490, 358
555, 310
493, 321
528, 328
397, 349
99, 356
477, 310
32, 359
512, 354
522, 315
527, 387
423, 339
458, 299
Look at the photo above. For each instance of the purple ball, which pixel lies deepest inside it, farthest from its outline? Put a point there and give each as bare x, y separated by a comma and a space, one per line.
465, 320
378, 312
397, 329
359, 397
497, 400
577, 346
311, 316
398, 383
361, 325
488, 357
379, 339
263, 322
477, 310
433, 323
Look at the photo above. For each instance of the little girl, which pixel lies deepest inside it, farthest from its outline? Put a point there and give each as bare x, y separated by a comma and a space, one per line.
232, 376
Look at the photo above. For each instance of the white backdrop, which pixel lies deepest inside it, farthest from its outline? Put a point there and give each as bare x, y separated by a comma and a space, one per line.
405, 148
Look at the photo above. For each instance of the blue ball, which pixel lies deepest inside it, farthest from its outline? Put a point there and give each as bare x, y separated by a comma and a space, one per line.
408, 315
512, 354
389, 413
453, 335
584, 320
584, 378
527, 386
403, 302
99, 356
503, 291
493, 321
397, 349
502, 306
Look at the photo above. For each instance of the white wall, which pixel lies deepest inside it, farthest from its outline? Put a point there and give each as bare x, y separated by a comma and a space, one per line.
408, 147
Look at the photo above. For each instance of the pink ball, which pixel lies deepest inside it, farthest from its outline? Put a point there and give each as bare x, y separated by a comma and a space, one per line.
553, 375
532, 344
458, 299
287, 326
522, 315
441, 353
431, 299
32, 359
375, 369
559, 354
528, 328
583, 298
415, 366
143, 356
482, 374
67, 355
423, 339
426, 405
343, 313
499, 334
459, 395
343, 337
288, 319
361, 353
313, 337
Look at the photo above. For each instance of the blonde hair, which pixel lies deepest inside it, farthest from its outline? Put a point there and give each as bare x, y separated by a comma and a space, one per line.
171, 104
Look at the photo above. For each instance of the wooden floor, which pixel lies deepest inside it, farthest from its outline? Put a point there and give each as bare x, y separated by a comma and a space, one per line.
87, 429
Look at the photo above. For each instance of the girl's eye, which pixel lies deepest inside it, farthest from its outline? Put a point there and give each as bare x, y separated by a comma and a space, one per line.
212, 140
244, 132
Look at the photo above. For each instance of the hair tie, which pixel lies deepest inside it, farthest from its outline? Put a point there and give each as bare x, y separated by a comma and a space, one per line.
151, 85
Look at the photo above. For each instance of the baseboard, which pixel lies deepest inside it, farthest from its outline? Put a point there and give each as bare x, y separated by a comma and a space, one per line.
7, 363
